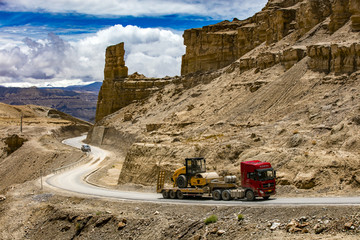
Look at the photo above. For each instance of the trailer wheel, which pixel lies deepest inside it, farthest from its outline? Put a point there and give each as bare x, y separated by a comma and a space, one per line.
181, 181
250, 196
165, 194
266, 197
172, 194
180, 194
216, 194
226, 195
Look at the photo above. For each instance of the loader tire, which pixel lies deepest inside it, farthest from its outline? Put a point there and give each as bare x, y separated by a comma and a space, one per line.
181, 181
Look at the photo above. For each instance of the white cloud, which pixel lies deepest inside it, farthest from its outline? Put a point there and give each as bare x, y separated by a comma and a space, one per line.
223, 9
153, 52
150, 51
143, 48
30, 82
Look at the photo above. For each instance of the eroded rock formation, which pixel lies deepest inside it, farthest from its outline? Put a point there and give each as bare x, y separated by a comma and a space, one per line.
334, 58
115, 68
355, 14
263, 60
119, 89
216, 46
275, 35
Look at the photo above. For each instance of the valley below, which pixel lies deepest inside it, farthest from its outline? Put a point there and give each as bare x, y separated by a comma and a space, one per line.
33, 210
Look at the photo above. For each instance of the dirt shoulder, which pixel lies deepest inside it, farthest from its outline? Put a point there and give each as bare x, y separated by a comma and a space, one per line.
31, 213
28, 212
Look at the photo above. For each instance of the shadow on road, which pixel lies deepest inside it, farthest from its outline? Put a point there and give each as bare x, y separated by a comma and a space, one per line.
207, 199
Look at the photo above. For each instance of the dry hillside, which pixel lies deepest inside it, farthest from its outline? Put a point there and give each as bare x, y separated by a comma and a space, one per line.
292, 100
37, 149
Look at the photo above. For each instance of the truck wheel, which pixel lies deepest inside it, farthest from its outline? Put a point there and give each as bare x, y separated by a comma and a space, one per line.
172, 194
181, 181
179, 194
250, 195
216, 194
165, 194
266, 197
226, 195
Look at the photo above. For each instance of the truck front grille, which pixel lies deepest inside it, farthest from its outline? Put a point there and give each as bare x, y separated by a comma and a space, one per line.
268, 185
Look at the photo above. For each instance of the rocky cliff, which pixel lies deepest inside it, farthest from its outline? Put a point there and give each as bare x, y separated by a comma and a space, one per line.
281, 86
216, 46
118, 89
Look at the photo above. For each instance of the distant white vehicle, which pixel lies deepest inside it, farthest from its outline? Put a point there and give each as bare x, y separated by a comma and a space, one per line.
85, 148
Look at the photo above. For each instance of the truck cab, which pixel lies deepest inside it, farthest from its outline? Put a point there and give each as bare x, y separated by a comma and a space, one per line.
258, 179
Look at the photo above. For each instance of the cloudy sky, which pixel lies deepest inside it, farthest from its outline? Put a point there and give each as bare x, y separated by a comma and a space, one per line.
63, 42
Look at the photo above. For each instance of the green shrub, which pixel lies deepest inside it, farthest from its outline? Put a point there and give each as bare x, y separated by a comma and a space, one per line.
78, 226
211, 219
240, 217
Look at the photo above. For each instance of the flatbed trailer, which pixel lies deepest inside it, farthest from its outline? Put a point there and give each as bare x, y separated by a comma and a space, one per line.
216, 189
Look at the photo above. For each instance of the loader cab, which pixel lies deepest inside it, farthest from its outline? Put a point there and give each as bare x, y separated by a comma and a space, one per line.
183, 176
194, 166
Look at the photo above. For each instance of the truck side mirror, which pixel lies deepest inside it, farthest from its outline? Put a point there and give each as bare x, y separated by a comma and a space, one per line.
274, 173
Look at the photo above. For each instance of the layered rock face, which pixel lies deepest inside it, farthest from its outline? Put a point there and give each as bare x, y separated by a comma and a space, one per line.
287, 58
118, 90
334, 58
216, 46
115, 68
327, 58
213, 47
208, 50
354, 7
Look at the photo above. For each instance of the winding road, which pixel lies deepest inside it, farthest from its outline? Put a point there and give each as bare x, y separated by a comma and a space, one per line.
72, 180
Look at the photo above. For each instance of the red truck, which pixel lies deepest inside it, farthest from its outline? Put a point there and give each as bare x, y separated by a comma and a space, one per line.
257, 180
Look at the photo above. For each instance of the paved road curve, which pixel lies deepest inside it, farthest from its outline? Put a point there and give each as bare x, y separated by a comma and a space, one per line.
72, 180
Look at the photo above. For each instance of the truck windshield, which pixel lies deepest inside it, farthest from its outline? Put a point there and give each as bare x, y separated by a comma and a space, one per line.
265, 174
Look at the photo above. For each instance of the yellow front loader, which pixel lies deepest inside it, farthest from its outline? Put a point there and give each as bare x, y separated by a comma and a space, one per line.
193, 174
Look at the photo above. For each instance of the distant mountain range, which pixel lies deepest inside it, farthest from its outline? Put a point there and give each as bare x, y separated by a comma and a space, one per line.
78, 101
93, 87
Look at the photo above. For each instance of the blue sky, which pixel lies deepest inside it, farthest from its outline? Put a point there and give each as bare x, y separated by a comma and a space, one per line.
63, 42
